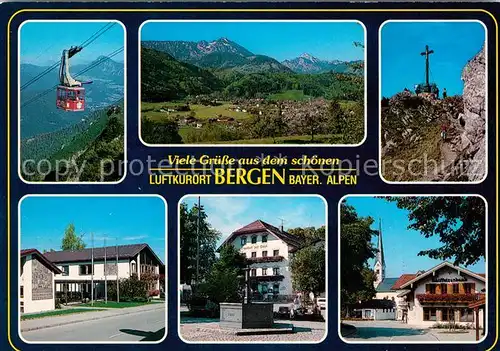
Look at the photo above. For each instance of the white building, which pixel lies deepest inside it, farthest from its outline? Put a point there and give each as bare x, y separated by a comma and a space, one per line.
442, 294
36, 283
270, 250
374, 309
75, 281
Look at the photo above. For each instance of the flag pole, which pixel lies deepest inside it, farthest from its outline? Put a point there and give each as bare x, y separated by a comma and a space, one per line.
105, 275
117, 281
198, 244
92, 273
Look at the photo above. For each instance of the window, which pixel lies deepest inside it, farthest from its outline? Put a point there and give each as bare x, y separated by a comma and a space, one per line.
276, 289
276, 252
456, 288
264, 253
264, 271
443, 289
254, 254
429, 314
22, 291
243, 240
86, 269
468, 288
253, 272
466, 315
430, 288
65, 270
264, 238
254, 239
276, 271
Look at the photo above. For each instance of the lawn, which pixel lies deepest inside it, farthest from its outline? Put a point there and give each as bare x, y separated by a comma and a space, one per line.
57, 313
295, 95
152, 111
291, 139
114, 304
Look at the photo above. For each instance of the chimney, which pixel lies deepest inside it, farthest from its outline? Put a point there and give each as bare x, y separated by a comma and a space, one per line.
281, 228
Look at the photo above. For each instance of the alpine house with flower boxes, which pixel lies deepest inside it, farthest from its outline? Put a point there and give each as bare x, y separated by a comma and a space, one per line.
443, 294
269, 250
70, 274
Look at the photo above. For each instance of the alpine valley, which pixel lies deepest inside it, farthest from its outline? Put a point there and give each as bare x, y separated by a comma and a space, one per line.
56, 143
220, 92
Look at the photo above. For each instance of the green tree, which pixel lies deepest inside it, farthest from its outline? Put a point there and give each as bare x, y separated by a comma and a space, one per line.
72, 241
458, 221
208, 238
226, 280
356, 278
309, 234
165, 132
309, 270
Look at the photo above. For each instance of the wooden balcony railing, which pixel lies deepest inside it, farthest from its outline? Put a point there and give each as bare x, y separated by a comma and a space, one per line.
448, 298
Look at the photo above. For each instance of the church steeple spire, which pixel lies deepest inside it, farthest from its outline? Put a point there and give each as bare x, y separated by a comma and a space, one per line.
379, 267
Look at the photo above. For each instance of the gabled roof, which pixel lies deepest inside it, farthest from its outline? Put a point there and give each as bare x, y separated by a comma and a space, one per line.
439, 266
259, 226
124, 252
386, 285
402, 280
42, 259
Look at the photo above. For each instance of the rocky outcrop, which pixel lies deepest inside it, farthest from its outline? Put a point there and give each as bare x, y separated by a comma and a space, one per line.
473, 119
411, 122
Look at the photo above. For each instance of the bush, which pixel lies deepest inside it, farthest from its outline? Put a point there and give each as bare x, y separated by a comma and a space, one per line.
58, 304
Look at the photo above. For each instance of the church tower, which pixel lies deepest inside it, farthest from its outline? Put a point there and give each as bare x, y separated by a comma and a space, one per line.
379, 267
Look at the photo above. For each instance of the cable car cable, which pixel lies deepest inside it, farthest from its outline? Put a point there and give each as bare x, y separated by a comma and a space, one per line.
86, 43
92, 65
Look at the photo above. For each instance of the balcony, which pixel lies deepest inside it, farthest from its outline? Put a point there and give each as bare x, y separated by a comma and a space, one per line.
267, 278
265, 259
448, 298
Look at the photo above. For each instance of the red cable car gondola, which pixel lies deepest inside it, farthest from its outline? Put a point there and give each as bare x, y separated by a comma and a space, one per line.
70, 92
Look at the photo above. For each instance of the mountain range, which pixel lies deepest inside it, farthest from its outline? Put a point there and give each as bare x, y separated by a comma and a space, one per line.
224, 54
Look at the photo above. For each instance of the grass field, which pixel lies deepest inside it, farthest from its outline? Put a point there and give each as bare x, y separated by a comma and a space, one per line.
292, 139
157, 112
57, 313
152, 111
295, 95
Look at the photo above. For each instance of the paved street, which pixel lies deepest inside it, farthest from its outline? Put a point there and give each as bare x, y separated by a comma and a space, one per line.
210, 331
397, 331
127, 324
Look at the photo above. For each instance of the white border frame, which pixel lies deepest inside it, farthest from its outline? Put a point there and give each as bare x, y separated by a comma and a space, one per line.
434, 342
179, 271
365, 135
486, 36
19, 332
125, 163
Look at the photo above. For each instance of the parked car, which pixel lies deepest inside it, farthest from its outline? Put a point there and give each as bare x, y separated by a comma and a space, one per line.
321, 302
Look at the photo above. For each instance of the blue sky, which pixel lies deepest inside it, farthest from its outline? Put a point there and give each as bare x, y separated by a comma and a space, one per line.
46, 49
230, 213
401, 245
454, 44
132, 220
280, 40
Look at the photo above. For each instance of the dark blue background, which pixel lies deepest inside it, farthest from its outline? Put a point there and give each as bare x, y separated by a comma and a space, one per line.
139, 184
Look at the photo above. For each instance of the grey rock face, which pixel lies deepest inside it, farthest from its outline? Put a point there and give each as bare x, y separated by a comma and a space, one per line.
474, 116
